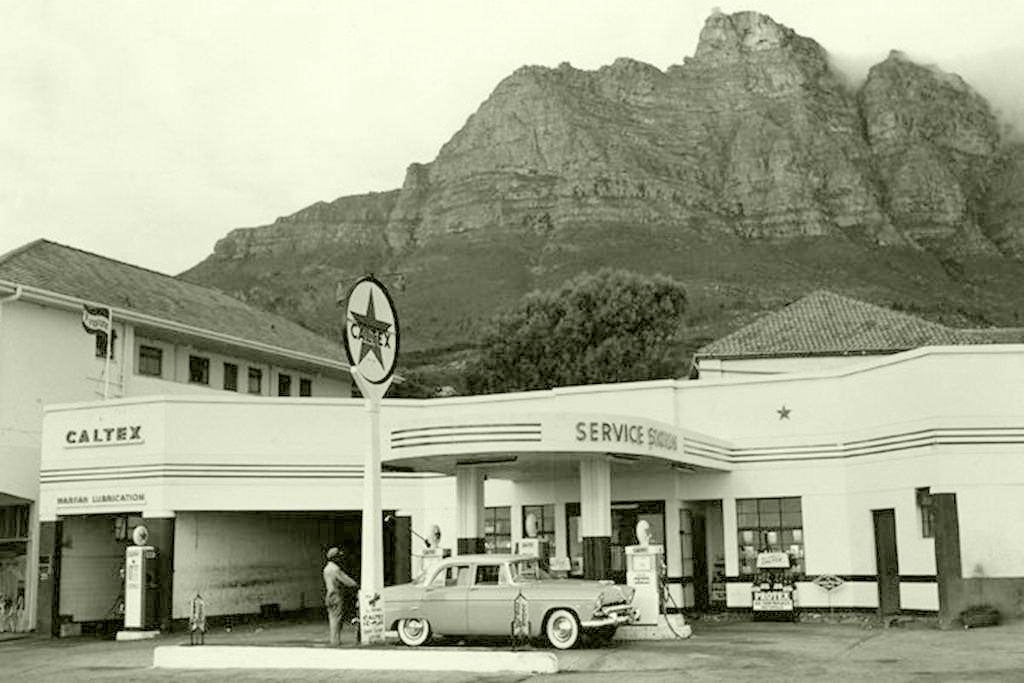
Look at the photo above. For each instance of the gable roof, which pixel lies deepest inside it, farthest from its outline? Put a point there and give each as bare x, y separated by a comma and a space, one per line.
161, 299
826, 323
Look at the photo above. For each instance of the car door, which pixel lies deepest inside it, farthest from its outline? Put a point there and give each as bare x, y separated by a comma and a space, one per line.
490, 600
444, 599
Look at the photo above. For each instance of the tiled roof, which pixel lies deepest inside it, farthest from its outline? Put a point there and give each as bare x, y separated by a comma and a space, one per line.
825, 323
54, 267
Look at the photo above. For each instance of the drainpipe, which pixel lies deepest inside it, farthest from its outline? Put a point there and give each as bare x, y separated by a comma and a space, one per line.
18, 291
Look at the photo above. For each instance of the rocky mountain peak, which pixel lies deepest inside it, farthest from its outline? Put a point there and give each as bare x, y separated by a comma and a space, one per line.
746, 36
752, 143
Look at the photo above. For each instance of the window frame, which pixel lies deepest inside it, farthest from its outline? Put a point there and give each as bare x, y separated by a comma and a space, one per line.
284, 384
771, 515
204, 366
543, 531
925, 511
140, 368
494, 541
233, 374
257, 374
305, 387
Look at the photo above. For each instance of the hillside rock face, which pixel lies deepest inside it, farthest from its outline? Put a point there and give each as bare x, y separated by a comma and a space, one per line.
936, 144
754, 140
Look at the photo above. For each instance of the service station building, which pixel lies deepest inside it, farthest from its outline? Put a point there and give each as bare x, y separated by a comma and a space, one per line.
900, 475
877, 450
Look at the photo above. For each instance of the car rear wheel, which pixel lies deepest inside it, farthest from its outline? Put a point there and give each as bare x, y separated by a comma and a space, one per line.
562, 629
413, 632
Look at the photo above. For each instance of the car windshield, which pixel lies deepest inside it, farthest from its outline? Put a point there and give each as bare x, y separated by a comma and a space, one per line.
527, 570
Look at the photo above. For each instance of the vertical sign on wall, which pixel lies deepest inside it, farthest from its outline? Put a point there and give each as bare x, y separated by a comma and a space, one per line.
371, 343
97, 321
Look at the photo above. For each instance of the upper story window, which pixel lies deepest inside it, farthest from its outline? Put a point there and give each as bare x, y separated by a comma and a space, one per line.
151, 361
101, 344
230, 377
198, 370
284, 385
255, 381
305, 387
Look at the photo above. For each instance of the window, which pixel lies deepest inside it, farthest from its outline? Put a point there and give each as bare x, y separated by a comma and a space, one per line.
284, 385
545, 517
305, 387
926, 512
770, 524
255, 381
14, 522
198, 370
487, 574
498, 529
452, 575
230, 377
151, 361
101, 345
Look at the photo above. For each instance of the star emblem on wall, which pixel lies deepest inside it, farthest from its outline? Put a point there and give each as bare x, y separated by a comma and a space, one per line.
784, 412
373, 334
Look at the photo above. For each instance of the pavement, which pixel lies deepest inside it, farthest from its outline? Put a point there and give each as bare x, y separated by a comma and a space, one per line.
736, 650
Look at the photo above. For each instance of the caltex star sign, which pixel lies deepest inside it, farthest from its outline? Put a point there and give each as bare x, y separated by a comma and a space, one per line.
371, 331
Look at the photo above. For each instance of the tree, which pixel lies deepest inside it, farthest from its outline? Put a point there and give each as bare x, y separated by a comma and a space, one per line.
611, 326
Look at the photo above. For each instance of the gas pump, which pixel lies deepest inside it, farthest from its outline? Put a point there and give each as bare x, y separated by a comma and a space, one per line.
139, 570
645, 567
531, 545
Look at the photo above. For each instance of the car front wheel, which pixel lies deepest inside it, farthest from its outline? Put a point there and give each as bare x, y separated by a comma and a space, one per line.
563, 629
413, 632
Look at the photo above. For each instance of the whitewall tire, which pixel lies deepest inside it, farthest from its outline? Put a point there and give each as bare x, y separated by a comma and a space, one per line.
413, 632
562, 629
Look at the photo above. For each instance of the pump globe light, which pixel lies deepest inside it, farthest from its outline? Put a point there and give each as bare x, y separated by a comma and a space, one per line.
643, 533
531, 525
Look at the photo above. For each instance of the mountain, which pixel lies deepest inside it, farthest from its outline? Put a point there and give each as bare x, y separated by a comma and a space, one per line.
752, 172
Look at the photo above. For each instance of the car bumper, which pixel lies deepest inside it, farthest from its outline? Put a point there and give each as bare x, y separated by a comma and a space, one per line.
617, 619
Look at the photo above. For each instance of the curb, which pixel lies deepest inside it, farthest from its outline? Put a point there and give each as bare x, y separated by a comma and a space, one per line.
248, 657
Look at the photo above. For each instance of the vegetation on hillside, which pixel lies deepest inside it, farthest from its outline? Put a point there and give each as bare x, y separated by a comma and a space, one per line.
610, 326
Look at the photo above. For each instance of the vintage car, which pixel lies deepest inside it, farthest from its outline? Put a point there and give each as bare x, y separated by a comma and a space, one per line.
469, 595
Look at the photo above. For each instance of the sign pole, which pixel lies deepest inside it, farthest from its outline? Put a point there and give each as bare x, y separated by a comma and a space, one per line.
372, 557
371, 343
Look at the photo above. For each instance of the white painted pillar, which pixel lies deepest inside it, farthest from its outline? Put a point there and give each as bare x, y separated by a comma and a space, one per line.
32, 565
469, 490
596, 515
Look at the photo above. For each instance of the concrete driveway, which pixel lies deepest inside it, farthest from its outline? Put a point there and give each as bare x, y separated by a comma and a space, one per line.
737, 651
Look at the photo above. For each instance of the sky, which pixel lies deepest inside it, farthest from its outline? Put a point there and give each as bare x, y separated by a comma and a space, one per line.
145, 131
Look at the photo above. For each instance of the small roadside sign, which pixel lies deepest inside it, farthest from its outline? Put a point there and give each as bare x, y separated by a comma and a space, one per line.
829, 582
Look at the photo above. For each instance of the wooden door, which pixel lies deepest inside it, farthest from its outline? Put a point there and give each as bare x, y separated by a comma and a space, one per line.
887, 561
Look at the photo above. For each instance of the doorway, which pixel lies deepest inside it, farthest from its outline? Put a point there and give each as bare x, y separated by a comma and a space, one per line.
702, 545
693, 545
887, 561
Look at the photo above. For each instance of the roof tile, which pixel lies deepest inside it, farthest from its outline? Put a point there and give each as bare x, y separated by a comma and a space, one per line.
65, 270
826, 323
